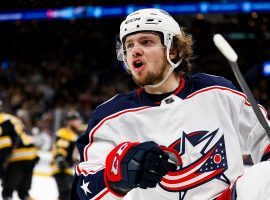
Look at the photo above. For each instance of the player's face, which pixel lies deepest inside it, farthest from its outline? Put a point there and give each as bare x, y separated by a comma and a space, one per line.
146, 58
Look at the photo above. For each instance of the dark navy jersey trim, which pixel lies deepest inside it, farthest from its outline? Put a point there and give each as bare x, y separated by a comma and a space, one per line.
95, 183
203, 80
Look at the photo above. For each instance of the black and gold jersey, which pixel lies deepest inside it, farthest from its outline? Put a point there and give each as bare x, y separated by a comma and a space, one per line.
64, 148
14, 137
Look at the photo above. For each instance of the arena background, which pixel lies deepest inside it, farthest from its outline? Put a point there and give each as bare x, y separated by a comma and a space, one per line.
50, 63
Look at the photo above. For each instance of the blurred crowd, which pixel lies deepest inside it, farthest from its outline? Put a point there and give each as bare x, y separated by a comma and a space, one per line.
30, 4
49, 67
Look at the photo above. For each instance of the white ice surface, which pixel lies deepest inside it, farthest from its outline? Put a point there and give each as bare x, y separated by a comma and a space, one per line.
43, 188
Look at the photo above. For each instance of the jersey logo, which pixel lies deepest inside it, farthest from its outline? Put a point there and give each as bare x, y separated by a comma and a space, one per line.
204, 159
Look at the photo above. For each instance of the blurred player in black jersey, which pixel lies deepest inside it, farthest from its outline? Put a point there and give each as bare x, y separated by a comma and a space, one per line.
63, 152
18, 156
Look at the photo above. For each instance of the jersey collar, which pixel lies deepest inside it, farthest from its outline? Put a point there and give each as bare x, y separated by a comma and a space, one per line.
157, 98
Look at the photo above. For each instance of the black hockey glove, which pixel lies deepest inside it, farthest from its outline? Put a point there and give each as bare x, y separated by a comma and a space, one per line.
61, 163
131, 165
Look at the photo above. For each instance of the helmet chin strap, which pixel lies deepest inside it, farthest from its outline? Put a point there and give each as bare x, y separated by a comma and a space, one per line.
172, 67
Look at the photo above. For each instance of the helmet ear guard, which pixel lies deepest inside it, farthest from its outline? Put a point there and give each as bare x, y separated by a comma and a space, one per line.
120, 52
119, 49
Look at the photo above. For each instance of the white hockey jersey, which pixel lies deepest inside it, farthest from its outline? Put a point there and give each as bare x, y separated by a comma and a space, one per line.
206, 120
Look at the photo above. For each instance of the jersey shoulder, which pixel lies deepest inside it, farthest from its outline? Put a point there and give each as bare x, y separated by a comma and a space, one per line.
118, 103
203, 80
114, 105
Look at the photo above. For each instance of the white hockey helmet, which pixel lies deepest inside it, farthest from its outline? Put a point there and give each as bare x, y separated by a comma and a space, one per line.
150, 19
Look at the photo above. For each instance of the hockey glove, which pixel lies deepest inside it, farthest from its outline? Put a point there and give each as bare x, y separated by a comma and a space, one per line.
131, 165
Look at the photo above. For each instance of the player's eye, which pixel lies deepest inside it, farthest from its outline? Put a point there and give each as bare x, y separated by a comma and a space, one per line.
147, 42
129, 46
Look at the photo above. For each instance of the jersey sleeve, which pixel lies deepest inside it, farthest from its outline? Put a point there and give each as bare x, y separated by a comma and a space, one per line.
253, 138
94, 146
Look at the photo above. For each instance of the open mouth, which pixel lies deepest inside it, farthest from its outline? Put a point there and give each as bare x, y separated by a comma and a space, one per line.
138, 65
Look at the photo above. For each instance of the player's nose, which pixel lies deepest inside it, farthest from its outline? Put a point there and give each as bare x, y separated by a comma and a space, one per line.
137, 50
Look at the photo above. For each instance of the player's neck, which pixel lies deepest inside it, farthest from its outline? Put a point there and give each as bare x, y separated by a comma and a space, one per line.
168, 86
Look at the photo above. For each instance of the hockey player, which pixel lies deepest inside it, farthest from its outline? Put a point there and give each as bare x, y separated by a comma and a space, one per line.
63, 151
18, 157
178, 136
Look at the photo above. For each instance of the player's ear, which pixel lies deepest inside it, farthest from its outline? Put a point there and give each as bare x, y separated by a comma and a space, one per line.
173, 53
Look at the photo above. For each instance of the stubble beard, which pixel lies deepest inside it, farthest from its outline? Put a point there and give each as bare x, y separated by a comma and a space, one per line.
151, 78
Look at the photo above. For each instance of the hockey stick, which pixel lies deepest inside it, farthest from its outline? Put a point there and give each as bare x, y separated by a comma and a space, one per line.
231, 56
